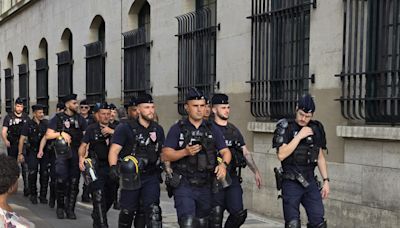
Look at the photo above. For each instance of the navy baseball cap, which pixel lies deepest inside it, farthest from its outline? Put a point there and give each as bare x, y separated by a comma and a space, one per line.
19, 101
194, 94
69, 97
306, 103
220, 98
144, 98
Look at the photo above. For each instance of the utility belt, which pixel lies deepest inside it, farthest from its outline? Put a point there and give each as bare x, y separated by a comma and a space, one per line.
13, 139
294, 175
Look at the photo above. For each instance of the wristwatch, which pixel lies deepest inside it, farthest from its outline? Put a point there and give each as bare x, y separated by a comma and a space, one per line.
326, 179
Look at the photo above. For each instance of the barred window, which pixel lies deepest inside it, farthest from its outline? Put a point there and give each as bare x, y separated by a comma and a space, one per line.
197, 36
137, 57
370, 65
280, 37
64, 63
9, 89
24, 85
42, 93
95, 72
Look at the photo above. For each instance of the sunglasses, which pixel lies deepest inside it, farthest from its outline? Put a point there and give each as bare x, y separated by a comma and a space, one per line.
84, 107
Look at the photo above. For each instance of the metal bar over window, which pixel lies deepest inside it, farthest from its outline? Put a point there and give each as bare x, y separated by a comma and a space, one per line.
370, 61
280, 37
9, 89
95, 73
136, 63
196, 53
42, 85
64, 64
24, 85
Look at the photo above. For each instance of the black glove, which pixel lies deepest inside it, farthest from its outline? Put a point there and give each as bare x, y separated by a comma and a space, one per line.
114, 174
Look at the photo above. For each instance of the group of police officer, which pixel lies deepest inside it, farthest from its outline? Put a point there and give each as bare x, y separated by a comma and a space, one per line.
201, 157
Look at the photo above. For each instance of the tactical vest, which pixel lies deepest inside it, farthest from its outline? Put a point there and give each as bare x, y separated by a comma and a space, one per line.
232, 141
70, 125
35, 134
15, 127
202, 163
100, 146
306, 153
145, 144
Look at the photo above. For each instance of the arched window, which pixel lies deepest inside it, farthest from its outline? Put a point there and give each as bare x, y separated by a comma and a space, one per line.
42, 78
95, 62
65, 64
9, 82
137, 52
23, 74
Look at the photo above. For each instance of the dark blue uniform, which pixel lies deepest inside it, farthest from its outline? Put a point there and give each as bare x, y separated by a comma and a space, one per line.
193, 195
34, 133
145, 144
301, 162
102, 189
231, 198
85, 190
67, 170
14, 125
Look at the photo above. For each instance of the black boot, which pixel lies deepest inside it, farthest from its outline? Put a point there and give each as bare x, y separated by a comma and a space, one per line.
125, 219
85, 194
44, 182
236, 220
60, 189
32, 178
140, 219
99, 213
24, 173
188, 222
73, 193
116, 204
216, 217
52, 198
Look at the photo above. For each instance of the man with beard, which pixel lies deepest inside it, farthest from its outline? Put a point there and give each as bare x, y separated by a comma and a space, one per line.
12, 126
32, 133
67, 129
141, 141
231, 198
191, 146
98, 135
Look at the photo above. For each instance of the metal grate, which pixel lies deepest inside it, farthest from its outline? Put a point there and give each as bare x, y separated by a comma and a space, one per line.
280, 36
136, 64
196, 53
9, 87
371, 63
24, 85
64, 63
42, 84
95, 73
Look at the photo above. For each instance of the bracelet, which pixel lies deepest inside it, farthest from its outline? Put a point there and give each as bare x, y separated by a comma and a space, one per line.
326, 179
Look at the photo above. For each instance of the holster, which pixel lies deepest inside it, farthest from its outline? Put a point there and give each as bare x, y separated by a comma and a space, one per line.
278, 177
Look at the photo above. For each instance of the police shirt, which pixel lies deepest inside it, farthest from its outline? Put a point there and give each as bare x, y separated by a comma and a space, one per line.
71, 122
124, 136
99, 143
89, 120
174, 133
34, 132
14, 125
238, 135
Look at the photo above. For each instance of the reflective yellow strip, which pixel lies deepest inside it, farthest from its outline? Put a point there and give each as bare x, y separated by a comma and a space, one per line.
219, 159
134, 160
88, 160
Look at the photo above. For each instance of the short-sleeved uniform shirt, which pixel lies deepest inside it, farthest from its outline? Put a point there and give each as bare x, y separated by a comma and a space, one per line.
14, 125
34, 132
238, 134
99, 143
71, 122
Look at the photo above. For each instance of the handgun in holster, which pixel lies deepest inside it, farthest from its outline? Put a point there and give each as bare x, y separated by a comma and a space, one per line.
278, 177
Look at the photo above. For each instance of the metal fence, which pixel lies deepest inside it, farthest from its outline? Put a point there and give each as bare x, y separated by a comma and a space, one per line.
370, 76
95, 72
136, 63
9, 89
196, 54
23, 74
42, 84
64, 63
280, 31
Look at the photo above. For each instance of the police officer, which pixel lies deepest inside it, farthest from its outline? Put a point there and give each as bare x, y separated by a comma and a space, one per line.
143, 138
191, 146
84, 109
114, 115
299, 144
12, 126
32, 133
67, 129
231, 198
98, 136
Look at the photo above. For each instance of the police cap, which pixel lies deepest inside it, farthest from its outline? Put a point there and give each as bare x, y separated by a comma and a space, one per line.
220, 98
112, 106
37, 107
60, 105
132, 101
69, 97
19, 101
194, 94
306, 103
144, 98
83, 102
